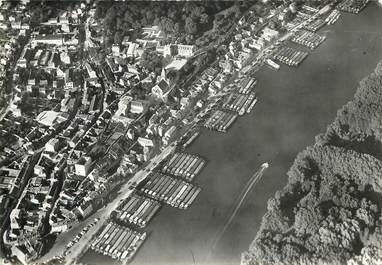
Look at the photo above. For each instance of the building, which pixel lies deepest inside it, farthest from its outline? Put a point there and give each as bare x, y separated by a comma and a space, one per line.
179, 50
51, 118
49, 39
169, 134
92, 75
186, 50
270, 34
145, 142
52, 145
123, 106
162, 89
132, 51
82, 167
138, 106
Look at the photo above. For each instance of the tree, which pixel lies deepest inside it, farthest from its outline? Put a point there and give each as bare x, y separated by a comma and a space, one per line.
335, 217
177, 28
166, 24
190, 26
204, 18
152, 61
118, 37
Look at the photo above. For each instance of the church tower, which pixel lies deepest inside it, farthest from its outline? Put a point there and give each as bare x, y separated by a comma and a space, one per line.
163, 75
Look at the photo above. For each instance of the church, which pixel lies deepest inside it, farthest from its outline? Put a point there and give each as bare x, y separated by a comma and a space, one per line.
162, 89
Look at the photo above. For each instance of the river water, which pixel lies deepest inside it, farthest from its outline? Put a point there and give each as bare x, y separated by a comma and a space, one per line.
295, 104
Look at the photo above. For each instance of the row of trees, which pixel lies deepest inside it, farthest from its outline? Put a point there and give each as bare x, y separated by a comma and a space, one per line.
184, 21
330, 210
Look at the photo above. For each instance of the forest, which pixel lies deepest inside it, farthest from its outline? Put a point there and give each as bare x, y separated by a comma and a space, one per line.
182, 22
330, 210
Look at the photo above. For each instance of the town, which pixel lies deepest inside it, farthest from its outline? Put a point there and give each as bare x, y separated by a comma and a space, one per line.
94, 129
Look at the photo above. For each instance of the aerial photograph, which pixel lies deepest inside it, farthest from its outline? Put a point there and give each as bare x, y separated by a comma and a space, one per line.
206, 132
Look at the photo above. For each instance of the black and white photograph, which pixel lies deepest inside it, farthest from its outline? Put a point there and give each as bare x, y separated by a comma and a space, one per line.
202, 132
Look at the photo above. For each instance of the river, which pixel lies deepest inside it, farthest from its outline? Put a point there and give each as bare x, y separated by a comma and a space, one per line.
295, 104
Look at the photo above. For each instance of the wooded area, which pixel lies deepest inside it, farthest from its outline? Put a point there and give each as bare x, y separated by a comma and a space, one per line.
330, 210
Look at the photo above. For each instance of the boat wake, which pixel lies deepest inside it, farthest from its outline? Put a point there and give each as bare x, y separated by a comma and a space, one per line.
239, 201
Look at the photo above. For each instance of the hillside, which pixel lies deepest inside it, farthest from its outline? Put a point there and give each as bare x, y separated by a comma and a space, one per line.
330, 210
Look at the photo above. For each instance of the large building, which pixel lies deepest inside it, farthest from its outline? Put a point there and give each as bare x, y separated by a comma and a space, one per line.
179, 50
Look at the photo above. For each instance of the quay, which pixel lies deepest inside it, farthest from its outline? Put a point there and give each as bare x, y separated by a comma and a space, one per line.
220, 121
290, 56
118, 242
183, 165
137, 210
308, 39
174, 192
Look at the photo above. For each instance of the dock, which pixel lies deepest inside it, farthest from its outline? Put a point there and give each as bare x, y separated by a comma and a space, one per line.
308, 39
191, 139
272, 64
290, 56
118, 242
137, 210
238, 103
315, 25
172, 191
333, 17
352, 6
220, 121
184, 165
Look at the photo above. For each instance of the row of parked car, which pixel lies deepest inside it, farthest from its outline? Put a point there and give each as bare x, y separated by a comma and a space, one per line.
79, 236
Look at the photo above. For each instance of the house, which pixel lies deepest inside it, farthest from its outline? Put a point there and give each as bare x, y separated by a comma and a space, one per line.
270, 34
82, 167
145, 142
92, 76
123, 105
24, 254
132, 51
226, 65
138, 106
241, 21
52, 145
85, 210
169, 134
115, 50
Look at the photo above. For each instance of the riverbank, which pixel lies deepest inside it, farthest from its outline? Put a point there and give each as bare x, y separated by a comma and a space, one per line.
294, 105
330, 210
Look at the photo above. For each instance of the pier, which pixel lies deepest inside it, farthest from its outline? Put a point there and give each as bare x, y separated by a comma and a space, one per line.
308, 39
315, 25
118, 242
239, 102
220, 121
137, 210
184, 165
174, 192
290, 56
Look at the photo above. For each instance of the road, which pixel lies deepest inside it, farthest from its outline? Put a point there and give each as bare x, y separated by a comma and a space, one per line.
103, 214
126, 191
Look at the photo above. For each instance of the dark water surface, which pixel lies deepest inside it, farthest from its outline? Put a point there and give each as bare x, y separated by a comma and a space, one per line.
295, 104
